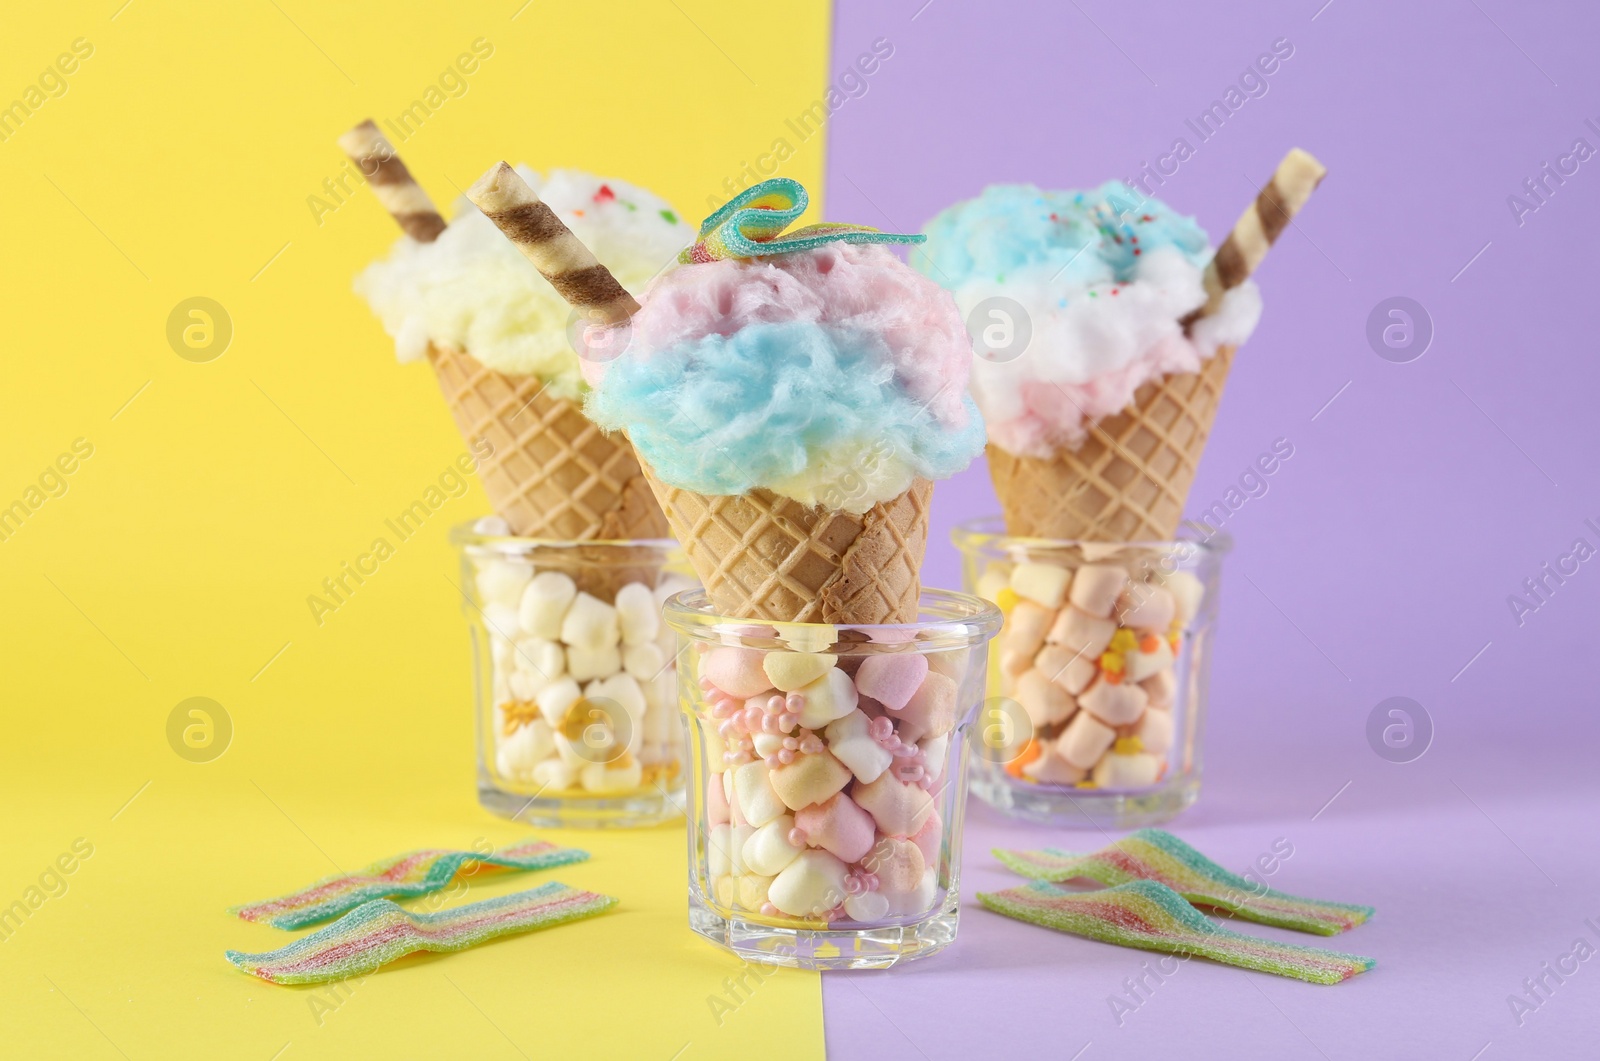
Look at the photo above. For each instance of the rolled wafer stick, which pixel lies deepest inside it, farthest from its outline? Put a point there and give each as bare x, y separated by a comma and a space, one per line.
392, 183
544, 240
1296, 177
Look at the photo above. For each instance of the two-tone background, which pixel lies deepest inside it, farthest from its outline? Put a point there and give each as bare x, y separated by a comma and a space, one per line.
182, 495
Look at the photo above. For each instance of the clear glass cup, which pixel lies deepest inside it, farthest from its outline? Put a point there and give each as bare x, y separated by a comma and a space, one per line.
574, 678
1098, 680
827, 779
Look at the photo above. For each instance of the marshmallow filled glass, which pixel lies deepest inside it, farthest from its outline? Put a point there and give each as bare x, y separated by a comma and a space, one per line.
576, 695
827, 779
1099, 676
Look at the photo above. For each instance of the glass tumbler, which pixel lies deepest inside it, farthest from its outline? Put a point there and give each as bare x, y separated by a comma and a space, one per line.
1098, 679
828, 769
574, 677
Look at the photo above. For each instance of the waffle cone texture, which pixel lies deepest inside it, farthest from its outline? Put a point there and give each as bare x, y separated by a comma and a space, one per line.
1129, 479
763, 556
553, 474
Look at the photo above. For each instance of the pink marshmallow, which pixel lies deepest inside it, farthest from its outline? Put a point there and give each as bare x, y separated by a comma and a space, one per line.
1115, 705
735, 671
717, 810
1082, 633
1073, 671
899, 808
1146, 607
898, 865
1096, 587
930, 838
1161, 686
892, 679
837, 826
931, 711
1026, 626
1084, 740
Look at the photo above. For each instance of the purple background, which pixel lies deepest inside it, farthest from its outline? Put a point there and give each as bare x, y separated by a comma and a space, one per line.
1380, 562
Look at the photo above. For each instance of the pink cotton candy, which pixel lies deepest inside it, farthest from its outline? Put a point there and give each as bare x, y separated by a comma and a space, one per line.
846, 286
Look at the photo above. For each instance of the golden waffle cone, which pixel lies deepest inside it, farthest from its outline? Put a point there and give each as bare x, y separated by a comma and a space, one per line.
553, 474
762, 556
1129, 479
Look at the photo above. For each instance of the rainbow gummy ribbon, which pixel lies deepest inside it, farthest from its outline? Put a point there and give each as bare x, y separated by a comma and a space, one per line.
1157, 855
750, 225
1151, 916
378, 932
402, 876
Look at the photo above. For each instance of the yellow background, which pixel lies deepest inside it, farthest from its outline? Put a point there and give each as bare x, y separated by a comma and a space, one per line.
178, 163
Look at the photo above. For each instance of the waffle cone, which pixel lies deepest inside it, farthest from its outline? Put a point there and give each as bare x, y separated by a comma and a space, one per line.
1129, 479
553, 474
762, 556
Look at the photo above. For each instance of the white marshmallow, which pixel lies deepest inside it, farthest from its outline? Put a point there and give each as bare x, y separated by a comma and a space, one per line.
623, 690
1115, 705
866, 906
502, 623
1082, 633
611, 777
1084, 740
810, 885
753, 788
519, 753
502, 581
658, 728
853, 746
555, 775
1144, 606
830, 697
935, 751
644, 661
523, 685
1096, 587
1044, 584
1127, 771
753, 890
1073, 671
586, 663
807, 637
1187, 591
1137, 666
590, 623
719, 853
544, 659
556, 699
918, 900
1045, 702
1162, 687
994, 580
544, 604
1155, 732
791, 671
638, 614
1026, 627
768, 851
738, 837
766, 744
1053, 770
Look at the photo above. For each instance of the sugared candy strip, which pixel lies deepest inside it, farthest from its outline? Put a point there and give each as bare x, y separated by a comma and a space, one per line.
1151, 916
378, 932
1157, 855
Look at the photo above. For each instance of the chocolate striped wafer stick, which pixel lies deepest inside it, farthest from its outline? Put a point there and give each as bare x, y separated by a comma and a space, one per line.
1297, 176
392, 183
544, 240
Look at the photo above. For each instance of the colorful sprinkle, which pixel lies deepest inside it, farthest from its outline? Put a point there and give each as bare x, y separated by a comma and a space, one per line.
1151, 916
1157, 855
403, 876
376, 933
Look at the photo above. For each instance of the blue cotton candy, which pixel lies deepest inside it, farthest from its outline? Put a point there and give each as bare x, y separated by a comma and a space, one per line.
808, 410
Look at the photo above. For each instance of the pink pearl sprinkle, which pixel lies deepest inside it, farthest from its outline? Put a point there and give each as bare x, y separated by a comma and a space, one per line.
769, 910
854, 885
727, 727
752, 718
788, 720
774, 704
773, 762
811, 746
871, 881
791, 743
786, 756
880, 729
795, 702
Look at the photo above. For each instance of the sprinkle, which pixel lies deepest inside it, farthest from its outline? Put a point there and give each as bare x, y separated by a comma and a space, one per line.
1157, 855
402, 876
376, 933
1151, 916
669, 217
605, 194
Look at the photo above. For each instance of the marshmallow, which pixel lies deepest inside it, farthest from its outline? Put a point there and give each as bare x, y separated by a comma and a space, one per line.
1044, 584
544, 604
519, 753
918, 900
900, 809
898, 865
1045, 702
934, 753
1139, 665
952, 665
725, 889
1073, 671
769, 849
503, 627
993, 582
555, 775
809, 886
556, 699
829, 697
866, 906
622, 690
1155, 732
1162, 686
809, 779
931, 712
590, 623
853, 746
837, 825
738, 837
502, 582
1096, 587
930, 838
753, 891
1053, 770
717, 801
659, 728
619, 776
788, 671
523, 685
807, 637
1026, 628
544, 659
719, 857
588, 663
638, 614
892, 679
1127, 771
766, 743
644, 661
1084, 740
735, 671
1013, 663
1082, 633
754, 795
1146, 607
1186, 593
1115, 705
